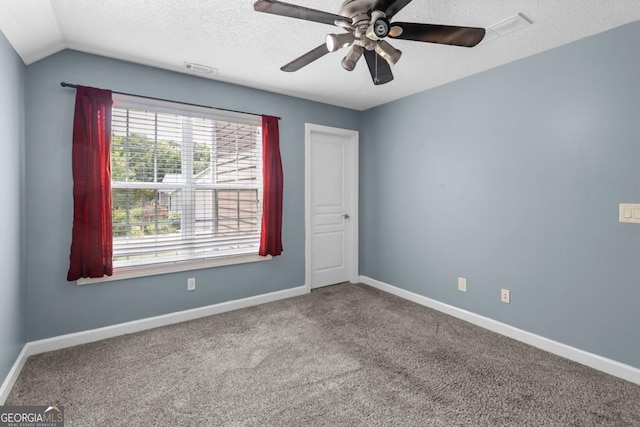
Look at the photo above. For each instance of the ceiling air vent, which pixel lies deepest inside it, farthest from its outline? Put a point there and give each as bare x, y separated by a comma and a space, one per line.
197, 68
515, 23
506, 26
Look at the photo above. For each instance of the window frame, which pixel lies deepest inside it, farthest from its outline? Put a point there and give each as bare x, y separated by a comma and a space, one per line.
160, 106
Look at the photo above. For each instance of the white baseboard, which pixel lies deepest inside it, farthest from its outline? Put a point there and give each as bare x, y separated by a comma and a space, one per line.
600, 363
12, 376
84, 337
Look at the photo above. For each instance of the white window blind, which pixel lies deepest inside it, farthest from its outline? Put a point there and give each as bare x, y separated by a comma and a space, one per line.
186, 183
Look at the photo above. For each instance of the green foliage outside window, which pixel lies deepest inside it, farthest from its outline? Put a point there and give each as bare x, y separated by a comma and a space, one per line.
138, 158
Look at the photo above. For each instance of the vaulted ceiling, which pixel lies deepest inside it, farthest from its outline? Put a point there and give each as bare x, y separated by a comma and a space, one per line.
248, 48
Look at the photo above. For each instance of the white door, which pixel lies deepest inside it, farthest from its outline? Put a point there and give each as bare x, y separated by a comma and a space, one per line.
331, 205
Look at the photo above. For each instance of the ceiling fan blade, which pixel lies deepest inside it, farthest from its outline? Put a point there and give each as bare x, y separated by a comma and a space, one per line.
389, 7
379, 68
442, 34
306, 59
293, 11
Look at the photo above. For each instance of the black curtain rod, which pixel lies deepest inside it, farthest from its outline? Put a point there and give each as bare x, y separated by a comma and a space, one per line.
73, 85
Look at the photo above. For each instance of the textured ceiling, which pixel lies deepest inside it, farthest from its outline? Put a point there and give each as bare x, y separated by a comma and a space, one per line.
249, 47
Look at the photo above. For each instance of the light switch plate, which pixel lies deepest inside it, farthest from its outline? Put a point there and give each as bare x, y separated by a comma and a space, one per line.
630, 213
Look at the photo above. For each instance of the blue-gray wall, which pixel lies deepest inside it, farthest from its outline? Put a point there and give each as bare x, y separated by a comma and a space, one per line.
512, 179
56, 306
12, 313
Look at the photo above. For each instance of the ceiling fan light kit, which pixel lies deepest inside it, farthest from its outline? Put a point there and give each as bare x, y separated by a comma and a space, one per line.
349, 61
338, 41
367, 23
387, 52
378, 27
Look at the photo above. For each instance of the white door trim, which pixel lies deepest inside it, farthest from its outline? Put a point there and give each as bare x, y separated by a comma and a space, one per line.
353, 136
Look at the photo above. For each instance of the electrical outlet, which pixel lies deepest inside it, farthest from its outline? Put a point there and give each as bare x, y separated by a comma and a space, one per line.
191, 284
505, 296
462, 284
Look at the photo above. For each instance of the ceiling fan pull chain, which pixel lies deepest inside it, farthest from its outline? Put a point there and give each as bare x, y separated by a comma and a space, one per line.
376, 69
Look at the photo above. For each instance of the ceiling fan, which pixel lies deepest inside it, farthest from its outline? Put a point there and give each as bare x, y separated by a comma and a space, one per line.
367, 25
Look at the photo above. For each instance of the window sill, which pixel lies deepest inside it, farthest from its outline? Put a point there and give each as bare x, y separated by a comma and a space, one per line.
124, 273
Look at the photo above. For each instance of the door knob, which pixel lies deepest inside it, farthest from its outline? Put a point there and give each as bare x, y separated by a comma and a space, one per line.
346, 216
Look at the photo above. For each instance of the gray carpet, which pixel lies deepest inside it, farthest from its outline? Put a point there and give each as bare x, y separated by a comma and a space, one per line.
344, 355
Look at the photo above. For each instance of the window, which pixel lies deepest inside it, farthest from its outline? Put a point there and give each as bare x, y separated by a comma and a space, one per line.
186, 183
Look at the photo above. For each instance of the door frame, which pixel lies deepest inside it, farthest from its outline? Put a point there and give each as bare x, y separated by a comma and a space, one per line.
353, 136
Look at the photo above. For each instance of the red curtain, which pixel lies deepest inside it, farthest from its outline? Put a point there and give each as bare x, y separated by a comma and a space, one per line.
272, 178
91, 243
